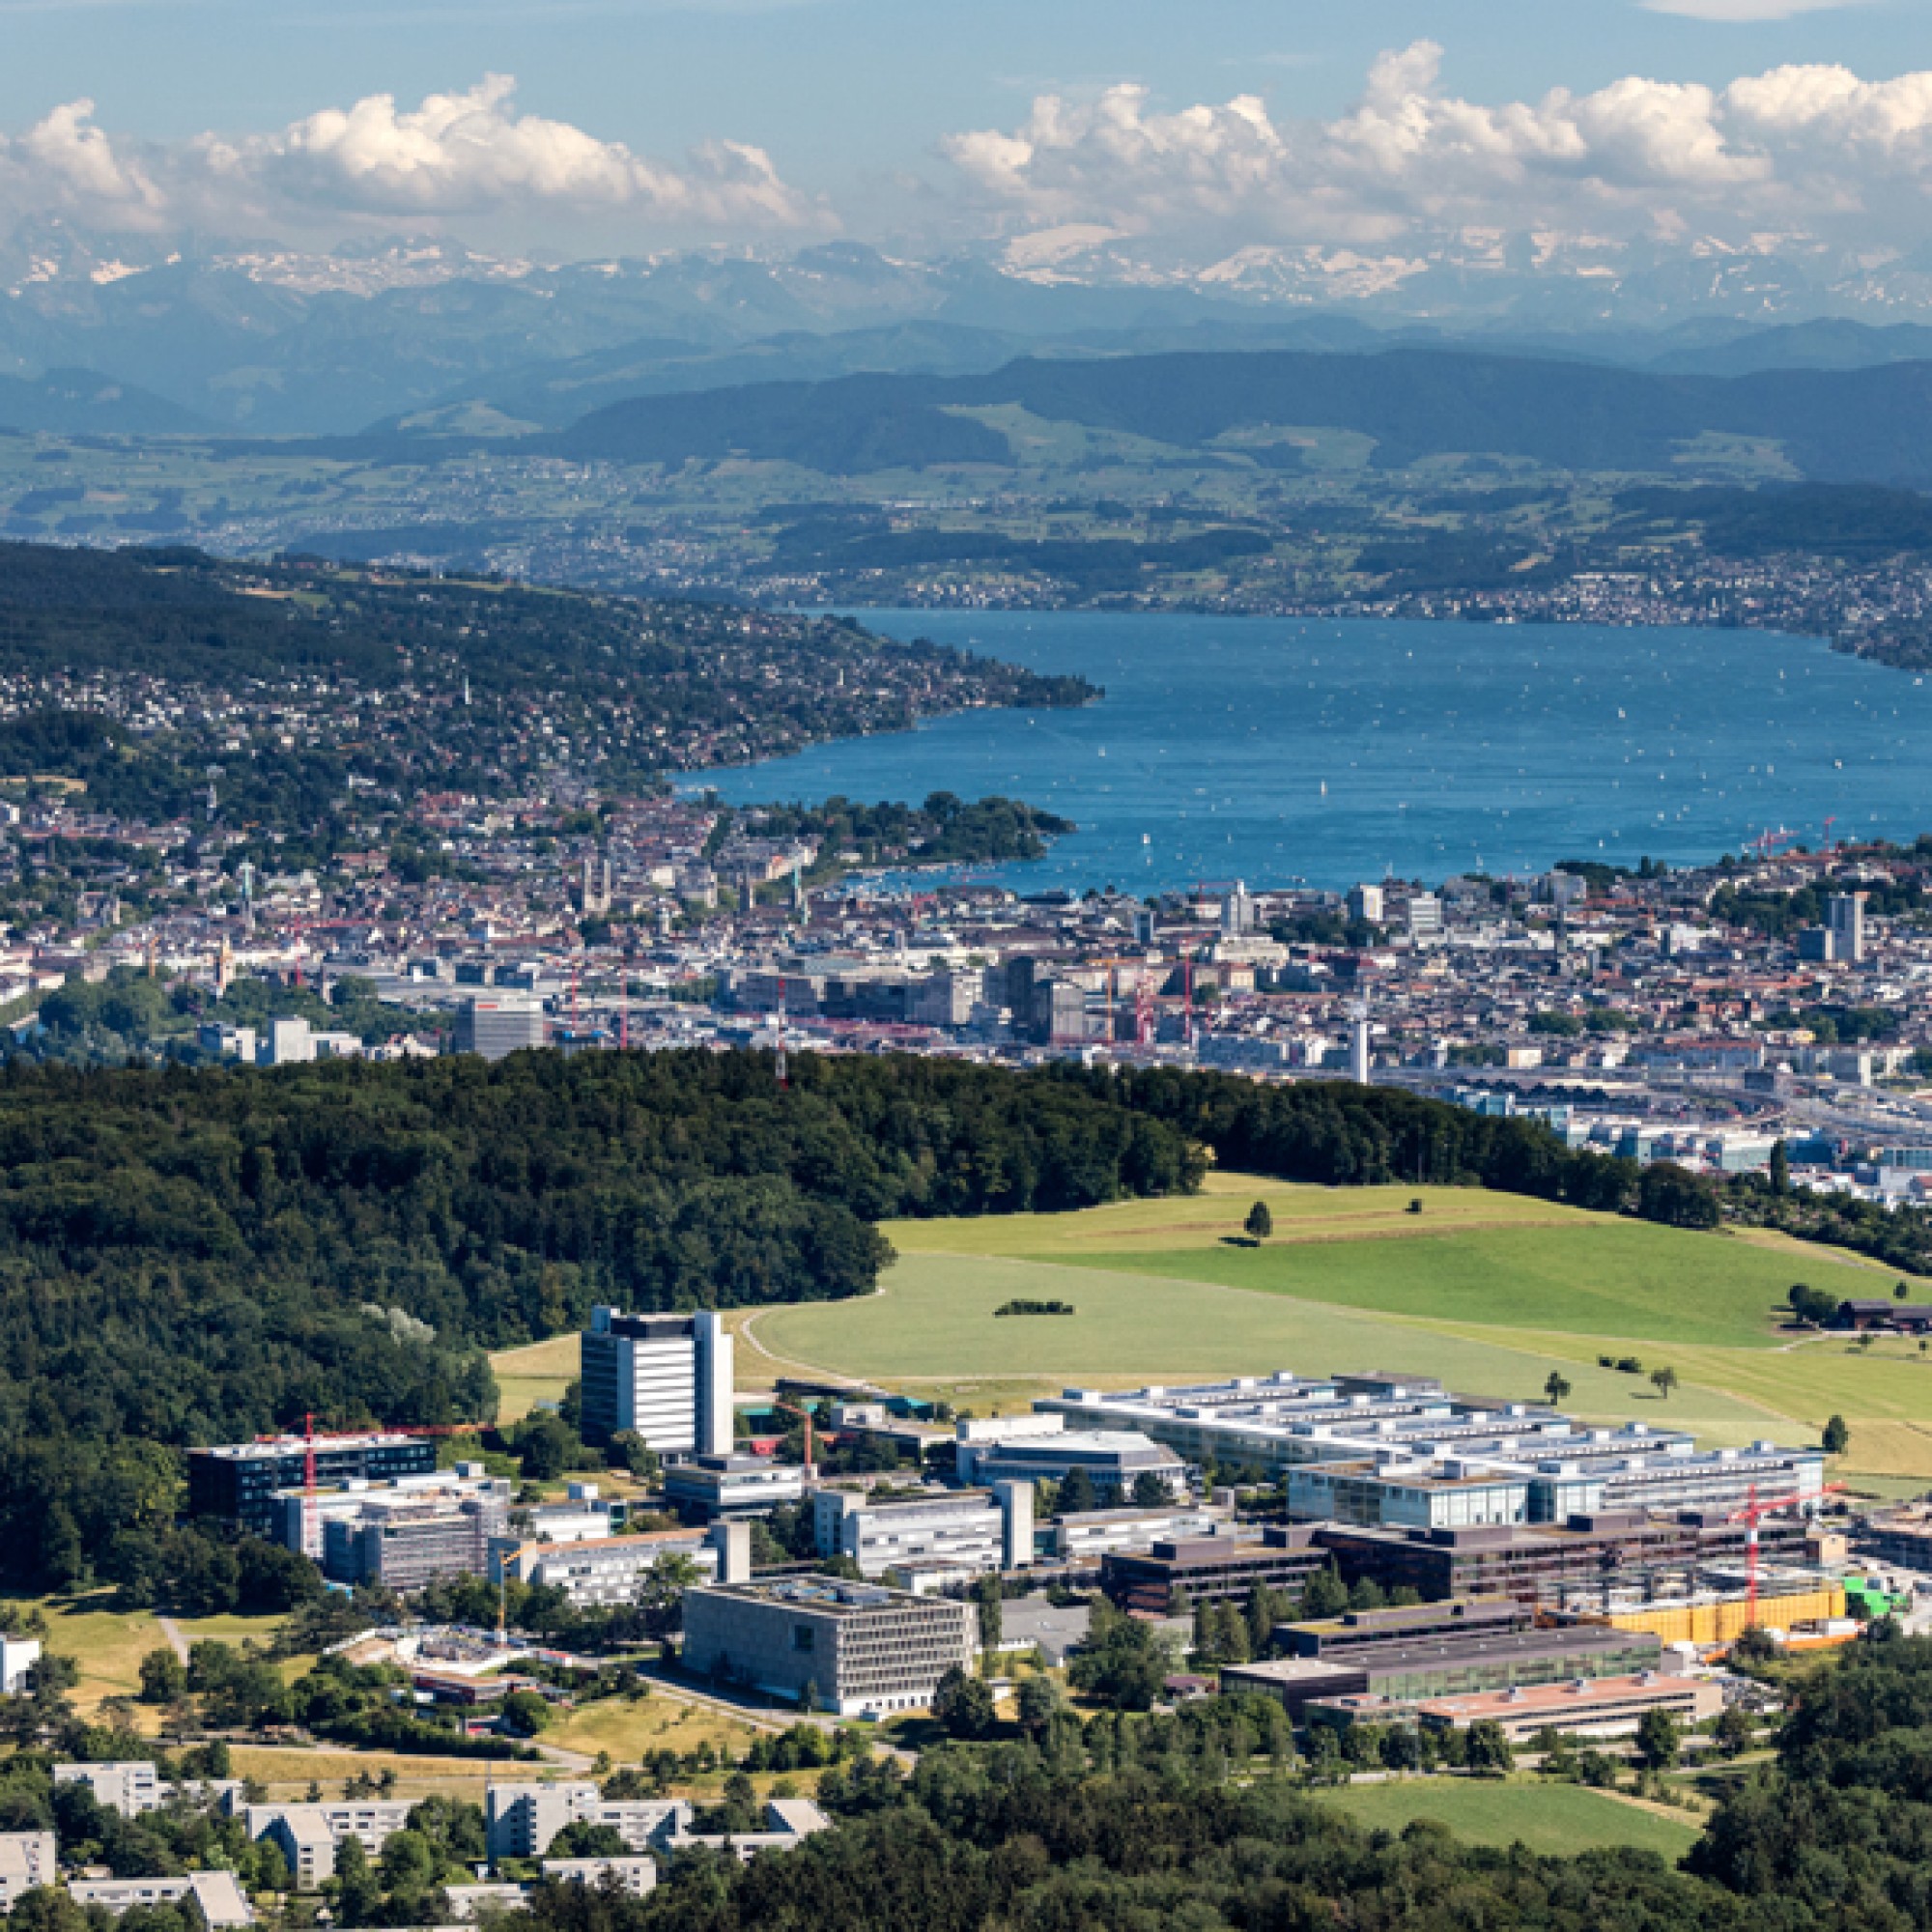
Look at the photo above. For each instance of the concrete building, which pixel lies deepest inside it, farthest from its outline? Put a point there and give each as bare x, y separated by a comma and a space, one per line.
307, 1834
129, 1787
854, 1646
522, 1821
666, 1377
634, 1877
1211, 1569
498, 1027
27, 1859
613, 1571
1089, 1535
1603, 1707
1448, 1665
286, 1042
302, 1516
973, 1530
405, 1541
1365, 904
237, 1481
1110, 1459
1845, 927
218, 1894
709, 1487
18, 1657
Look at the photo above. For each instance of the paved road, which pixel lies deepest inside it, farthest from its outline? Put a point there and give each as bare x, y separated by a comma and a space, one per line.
177, 1643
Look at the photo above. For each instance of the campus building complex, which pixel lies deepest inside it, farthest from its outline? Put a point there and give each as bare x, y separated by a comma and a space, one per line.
239, 1482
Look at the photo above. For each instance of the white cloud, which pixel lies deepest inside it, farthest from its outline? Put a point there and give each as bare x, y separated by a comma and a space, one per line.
1795, 145
466, 154
1742, 11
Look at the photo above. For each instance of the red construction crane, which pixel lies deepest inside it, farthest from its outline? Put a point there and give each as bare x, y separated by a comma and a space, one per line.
1752, 1514
804, 1413
1829, 823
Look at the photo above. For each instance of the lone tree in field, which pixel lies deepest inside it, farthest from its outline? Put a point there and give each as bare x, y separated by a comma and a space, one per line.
1260, 1224
1664, 1380
1837, 1436
1555, 1390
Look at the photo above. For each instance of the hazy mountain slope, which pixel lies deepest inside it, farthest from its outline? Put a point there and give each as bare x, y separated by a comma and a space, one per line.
1864, 425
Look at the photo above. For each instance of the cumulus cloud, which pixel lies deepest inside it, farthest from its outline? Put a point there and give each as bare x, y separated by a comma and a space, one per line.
466, 154
1791, 146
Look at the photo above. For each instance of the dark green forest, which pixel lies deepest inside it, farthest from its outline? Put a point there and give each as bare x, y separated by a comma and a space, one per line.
192, 1257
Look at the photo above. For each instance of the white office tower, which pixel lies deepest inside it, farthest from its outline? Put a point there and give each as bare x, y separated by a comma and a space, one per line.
1237, 910
1365, 903
1359, 1045
666, 1376
1845, 927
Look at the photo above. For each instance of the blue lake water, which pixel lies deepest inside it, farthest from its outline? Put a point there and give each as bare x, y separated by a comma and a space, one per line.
1276, 750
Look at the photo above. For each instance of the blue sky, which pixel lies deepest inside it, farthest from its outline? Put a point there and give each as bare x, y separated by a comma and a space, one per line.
899, 116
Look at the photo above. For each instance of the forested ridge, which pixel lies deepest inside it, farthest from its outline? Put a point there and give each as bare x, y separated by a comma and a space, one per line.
196, 1255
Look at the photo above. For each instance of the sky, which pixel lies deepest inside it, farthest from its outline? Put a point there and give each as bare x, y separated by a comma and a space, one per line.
1184, 126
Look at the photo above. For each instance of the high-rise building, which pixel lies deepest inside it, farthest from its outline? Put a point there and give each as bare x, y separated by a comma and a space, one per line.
1359, 1056
1845, 927
667, 1377
1365, 903
497, 1028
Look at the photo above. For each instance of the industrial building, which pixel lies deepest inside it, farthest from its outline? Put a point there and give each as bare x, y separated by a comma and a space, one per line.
970, 1530
238, 1482
664, 1378
855, 1647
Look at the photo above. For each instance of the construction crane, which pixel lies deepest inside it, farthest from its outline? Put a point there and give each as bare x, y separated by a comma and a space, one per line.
804, 1415
1829, 823
1752, 1514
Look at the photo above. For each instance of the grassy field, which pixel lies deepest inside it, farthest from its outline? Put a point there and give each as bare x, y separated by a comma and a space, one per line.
287, 1772
539, 1373
109, 1644
1487, 1292
628, 1730
1561, 1819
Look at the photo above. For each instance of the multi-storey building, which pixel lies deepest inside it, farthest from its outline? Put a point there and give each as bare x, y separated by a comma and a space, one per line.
217, 1895
27, 1859
851, 1647
499, 1026
522, 1821
665, 1378
308, 1835
405, 1541
703, 1489
973, 1529
238, 1481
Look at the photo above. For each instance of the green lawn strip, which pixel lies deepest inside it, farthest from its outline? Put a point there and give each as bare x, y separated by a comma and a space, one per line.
935, 1322
1556, 1819
1619, 1278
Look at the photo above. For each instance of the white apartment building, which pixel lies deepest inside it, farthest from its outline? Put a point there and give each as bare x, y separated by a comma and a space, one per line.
27, 1859
308, 1835
129, 1787
612, 1571
217, 1894
522, 1821
666, 1377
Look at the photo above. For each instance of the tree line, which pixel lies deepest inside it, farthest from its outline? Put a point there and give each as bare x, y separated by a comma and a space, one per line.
199, 1256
